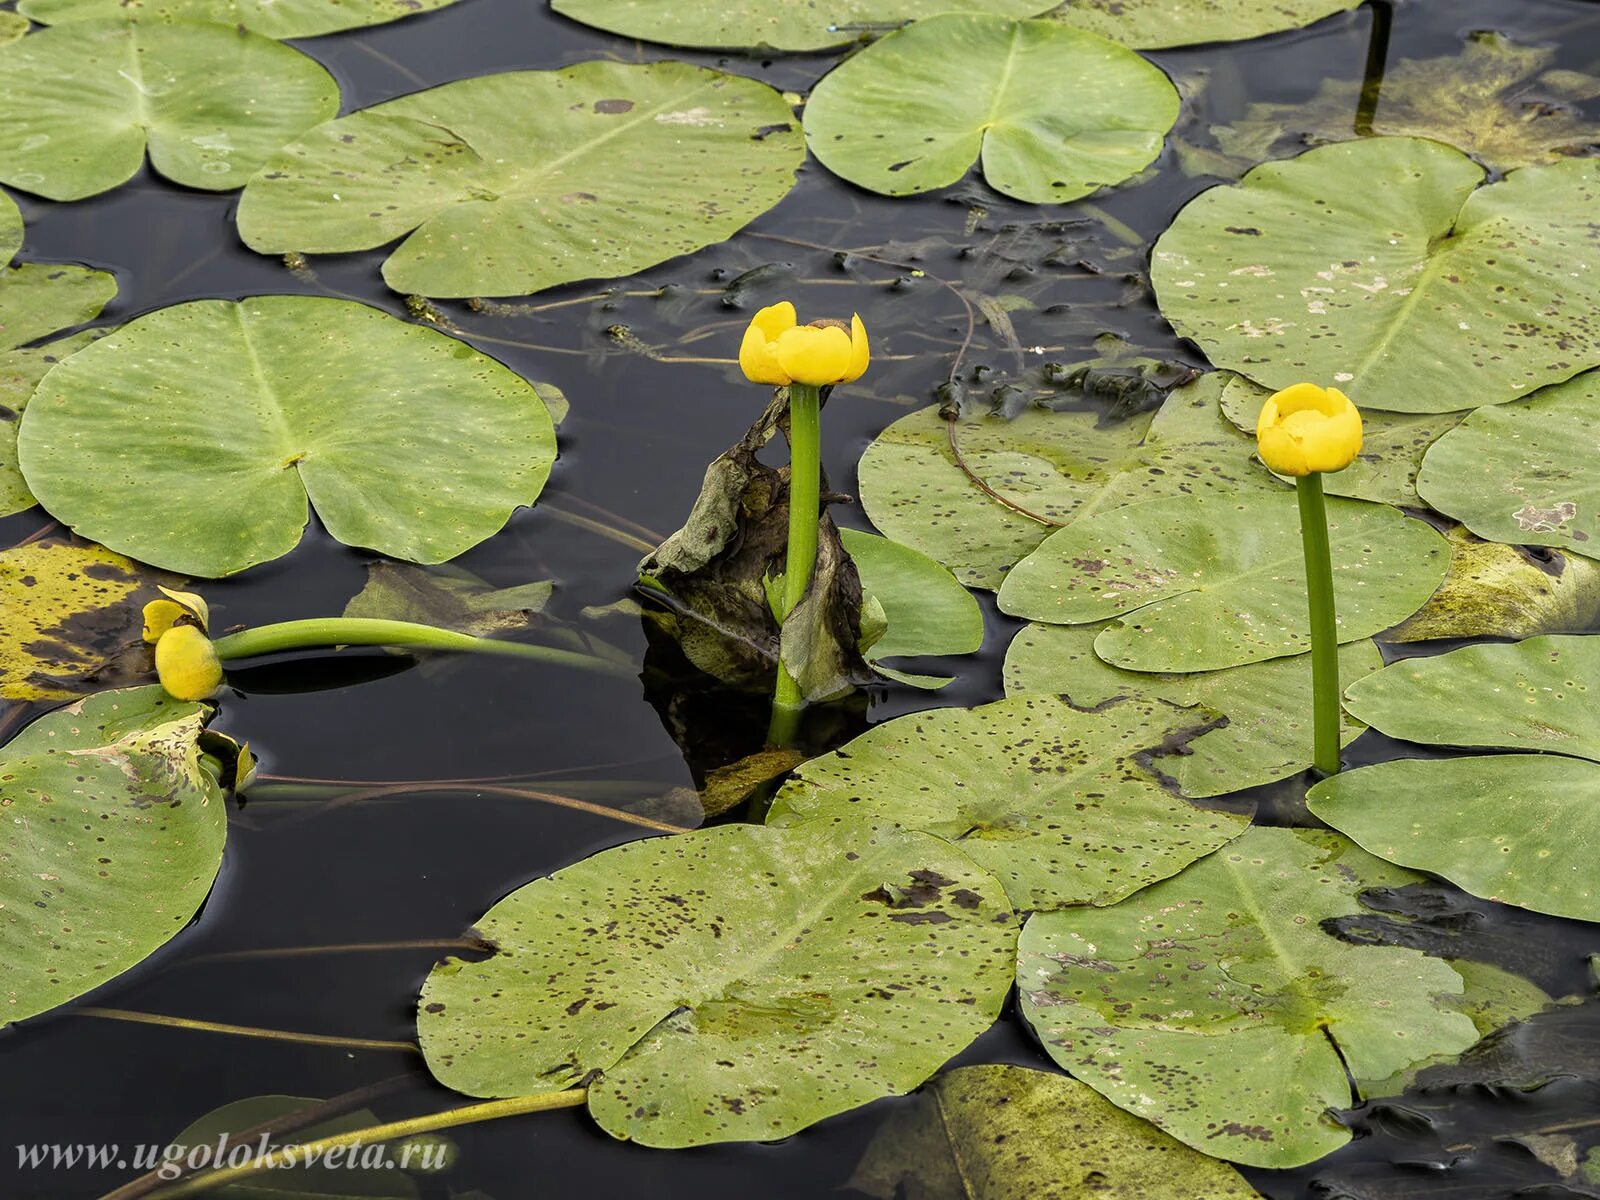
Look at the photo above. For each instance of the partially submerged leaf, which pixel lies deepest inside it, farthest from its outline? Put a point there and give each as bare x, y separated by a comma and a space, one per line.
270, 18
1152, 24
448, 597
731, 784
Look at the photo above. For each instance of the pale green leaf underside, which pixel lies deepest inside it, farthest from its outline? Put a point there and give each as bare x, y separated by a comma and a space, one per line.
84, 101
928, 612
1051, 799
1211, 1003
1151, 24
1268, 705
736, 983
269, 18
1051, 112
113, 834
191, 437
1205, 582
1382, 267
510, 183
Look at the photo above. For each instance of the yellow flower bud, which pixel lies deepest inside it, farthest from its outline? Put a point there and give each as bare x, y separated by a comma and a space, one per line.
778, 351
187, 663
1305, 428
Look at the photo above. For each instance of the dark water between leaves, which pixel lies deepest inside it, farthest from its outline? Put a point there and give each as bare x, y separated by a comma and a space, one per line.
384, 880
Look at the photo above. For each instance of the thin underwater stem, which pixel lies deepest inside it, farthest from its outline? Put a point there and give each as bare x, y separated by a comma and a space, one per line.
1324, 627
1377, 62
249, 1031
805, 495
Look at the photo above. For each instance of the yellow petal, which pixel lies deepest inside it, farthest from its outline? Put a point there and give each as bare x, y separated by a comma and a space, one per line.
774, 319
860, 351
1281, 451
818, 356
162, 615
757, 360
187, 663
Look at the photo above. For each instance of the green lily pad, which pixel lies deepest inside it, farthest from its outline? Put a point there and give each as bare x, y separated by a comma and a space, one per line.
1059, 803
10, 228
1001, 1132
20, 373
510, 183
269, 18
926, 610
1152, 24
735, 983
1267, 704
1052, 113
220, 411
1382, 266
114, 834
1516, 828
1215, 1006
772, 24
12, 26
1206, 582
84, 101
1525, 475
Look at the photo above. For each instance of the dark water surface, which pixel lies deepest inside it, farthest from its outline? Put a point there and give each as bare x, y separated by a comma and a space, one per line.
421, 867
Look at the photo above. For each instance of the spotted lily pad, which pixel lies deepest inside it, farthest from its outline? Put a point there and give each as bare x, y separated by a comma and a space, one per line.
269, 18
1150, 24
20, 372
1527, 474
1387, 267
114, 832
84, 101
1061, 804
735, 983
509, 183
220, 411
1267, 704
1051, 113
1205, 582
1215, 1006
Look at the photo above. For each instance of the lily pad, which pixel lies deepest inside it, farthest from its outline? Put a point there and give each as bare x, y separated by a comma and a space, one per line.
926, 610
1001, 1132
12, 26
1208, 582
1267, 704
85, 100
1525, 475
506, 184
1059, 803
735, 983
1153, 24
772, 24
114, 834
1215, 1006
20, 372
269, 18
1051, 113
221, 411
10, 228
1516, 828
1382, 266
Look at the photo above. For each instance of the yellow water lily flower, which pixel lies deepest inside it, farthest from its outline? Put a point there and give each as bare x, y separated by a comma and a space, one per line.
162, 615
187, 663
1306, 428
779, 351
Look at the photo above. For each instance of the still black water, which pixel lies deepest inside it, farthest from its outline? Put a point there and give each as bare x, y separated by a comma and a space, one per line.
423, 866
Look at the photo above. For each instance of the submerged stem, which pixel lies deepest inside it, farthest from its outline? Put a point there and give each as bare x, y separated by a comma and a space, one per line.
805, 488
1324, 627
249, 1031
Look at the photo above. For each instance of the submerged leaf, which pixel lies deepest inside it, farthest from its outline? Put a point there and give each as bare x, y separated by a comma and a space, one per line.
448, 597
270, 18
1151, 24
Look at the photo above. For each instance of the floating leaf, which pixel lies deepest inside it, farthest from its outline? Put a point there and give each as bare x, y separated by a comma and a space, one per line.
1267, 704
12, 26
1057, 802
1214, 1005
927, 611
1001, 1132
1516, 828
1151, 24
20, 372
1383, 267
1526, 474
220, 411
85, 100
269, 18
114, 834
1208, 581
735, 983
774, 24
10, 228
510, 183
1052, 113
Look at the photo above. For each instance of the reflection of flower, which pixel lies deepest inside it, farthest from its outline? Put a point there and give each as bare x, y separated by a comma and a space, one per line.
186, 661
776, 350
1306, 428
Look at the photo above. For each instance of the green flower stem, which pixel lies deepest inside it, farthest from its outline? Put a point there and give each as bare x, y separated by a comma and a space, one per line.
323, 632
1324, 629
805, 488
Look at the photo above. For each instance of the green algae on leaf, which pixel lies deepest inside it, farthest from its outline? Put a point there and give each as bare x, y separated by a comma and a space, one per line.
1387, 268
114, 833
510, 183
1051, 113
1203, 582
1155, 24
269, 18
219, 410
737, 983
925, 610
1059, 803
1214, 1005
1267, 705
86, 100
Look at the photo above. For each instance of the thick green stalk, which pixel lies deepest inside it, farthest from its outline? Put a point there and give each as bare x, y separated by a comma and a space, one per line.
323, 632
1324, 629
805, 494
